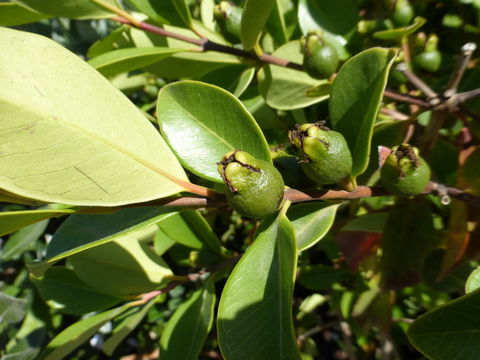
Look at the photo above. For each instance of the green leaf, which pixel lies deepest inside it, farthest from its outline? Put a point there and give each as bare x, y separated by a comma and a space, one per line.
276, 24
23, 240
202, 122
76, 334
12, 310
311, 222
125, 327
124, 60
473, 281
449, 332
114, 40
63, 290
183, 11
75, 9
11, 221
185, 64
286, 89
122, 267
235, 79
355, 100
395, 34
187, 329
338, 19
255, 312
63, 142
407, 238
190, 229
13, 14
254, 17
82, 232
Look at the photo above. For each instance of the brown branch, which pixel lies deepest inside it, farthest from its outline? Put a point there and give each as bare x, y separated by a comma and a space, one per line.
208, 45
406, 98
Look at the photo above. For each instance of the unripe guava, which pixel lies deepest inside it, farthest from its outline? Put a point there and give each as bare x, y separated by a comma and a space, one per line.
254, 187
320, 59
326, 156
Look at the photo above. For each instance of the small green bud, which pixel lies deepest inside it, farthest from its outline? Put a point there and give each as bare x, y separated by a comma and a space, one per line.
228, 17
404, 171
431, 59
320, 59
326, 156
254, 187
403, 13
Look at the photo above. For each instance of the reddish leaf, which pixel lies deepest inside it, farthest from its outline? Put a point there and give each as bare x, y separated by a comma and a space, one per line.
357, 245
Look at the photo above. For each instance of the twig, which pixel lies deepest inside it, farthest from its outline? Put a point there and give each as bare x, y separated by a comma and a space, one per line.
406, 98
208, 45
419, 84
315, 330
459, 71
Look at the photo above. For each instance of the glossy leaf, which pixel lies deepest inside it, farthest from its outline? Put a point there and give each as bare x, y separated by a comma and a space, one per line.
235, 79
449, 332
187, 329
76, 334
254, 17
122, 267
116, 39
79, 9
82, 232
182, 9
125, 327
124, 60
286, 89
63, 142
276, 24
259, 290
11, 221
338, 19
407, 238
23, 240
357, 92
13, 14
395, 34
63, 291
311, 222
190, 229
202, 122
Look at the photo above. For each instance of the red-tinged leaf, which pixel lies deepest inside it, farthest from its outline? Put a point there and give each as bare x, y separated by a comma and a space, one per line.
357, 245
458, 237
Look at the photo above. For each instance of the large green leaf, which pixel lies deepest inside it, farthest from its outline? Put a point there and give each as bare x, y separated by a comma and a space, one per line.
12, 310
190, 229
11, 221
68, 136
23, 240
187, 329
234, 79
13, 14
254, 17
451, 331
255, 311
276, 24
284, 88
80, 9
202, 122
311, 222
76, 334
63, 290
172, 12
82, 232
122, 267
124, 60
355, 100
338, 19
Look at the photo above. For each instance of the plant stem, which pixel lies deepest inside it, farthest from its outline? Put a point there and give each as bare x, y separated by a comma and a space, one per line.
459, 71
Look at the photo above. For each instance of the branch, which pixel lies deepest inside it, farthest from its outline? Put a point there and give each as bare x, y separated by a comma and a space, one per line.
208, 45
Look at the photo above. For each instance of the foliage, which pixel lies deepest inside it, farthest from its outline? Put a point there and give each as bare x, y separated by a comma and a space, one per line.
119, 236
